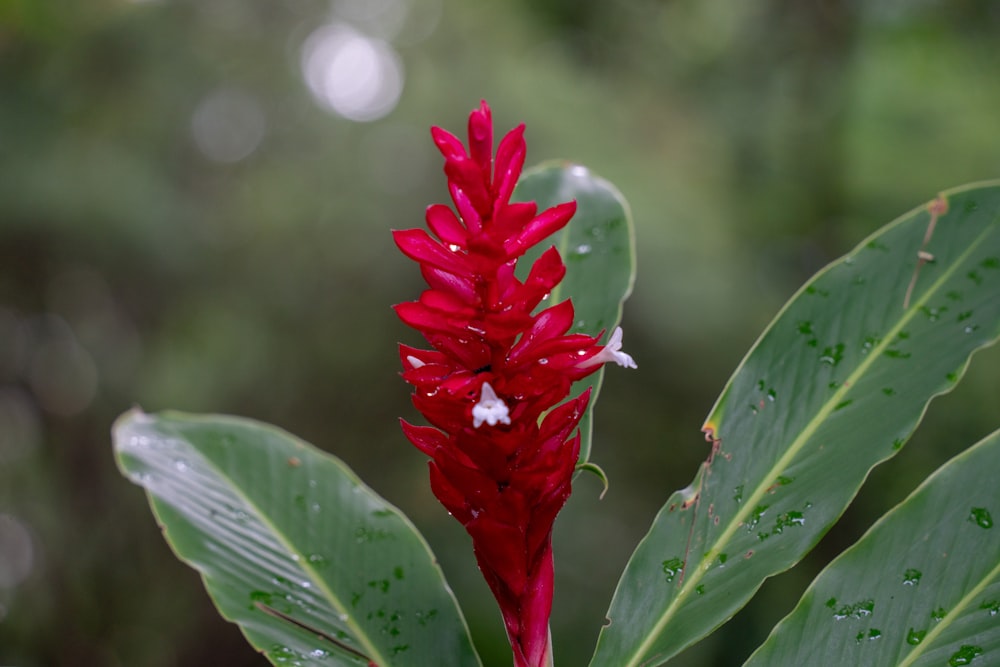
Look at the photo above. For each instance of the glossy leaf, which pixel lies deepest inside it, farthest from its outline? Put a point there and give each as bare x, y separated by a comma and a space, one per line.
921, 588
835, 385
598, 248
287, 538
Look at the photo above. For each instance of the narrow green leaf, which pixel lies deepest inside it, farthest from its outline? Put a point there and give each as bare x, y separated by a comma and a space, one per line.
314, 567
835, 385
921, 588
598, 248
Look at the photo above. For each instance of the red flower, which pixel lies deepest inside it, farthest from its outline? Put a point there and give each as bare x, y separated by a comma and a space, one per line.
502, 449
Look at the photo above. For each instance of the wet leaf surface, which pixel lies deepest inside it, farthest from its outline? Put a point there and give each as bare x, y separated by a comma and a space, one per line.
836, 384
315, 568
929, 572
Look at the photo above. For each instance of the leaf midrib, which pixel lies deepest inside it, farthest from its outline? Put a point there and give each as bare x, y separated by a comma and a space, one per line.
691, 582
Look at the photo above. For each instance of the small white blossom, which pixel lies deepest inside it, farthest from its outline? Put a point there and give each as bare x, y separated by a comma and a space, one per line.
612, 352
489, 409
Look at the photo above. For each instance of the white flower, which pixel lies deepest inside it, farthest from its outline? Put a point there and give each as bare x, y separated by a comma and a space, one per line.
489, 409
612, 352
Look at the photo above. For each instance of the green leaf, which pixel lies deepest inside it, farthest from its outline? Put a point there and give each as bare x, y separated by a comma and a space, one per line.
835, 385
598, 248
921, 588
287, 538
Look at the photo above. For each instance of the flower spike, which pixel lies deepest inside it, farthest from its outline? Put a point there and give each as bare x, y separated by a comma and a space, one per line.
503, 440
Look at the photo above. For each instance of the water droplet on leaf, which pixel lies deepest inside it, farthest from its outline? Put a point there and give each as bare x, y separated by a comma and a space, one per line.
755, 517
859, 609
981, 517
317, 560
933, 314
671, 568
791, 518
965, 655
832, 355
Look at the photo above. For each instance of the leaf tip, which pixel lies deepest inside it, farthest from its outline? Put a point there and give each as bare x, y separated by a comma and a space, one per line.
135, 415
592, 467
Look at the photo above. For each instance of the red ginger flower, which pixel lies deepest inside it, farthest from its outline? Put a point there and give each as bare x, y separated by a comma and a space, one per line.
502, 449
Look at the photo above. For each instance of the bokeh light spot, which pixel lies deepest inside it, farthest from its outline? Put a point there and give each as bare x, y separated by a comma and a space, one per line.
228, 125
20, 425
350, 74
13, 344
60, 372
16, 552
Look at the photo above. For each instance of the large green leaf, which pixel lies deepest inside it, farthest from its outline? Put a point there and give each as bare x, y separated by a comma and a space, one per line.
287, 538
834, 386
598, 248
921, 588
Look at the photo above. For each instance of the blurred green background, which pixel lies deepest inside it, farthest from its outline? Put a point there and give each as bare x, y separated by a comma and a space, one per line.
195, 204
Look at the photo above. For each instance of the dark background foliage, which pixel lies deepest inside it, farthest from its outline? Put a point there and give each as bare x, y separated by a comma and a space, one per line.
184, 224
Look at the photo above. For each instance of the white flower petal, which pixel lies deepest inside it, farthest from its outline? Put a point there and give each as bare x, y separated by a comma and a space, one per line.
489, 409
612, 352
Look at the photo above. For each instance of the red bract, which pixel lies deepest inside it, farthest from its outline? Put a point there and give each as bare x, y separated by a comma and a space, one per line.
502, 449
